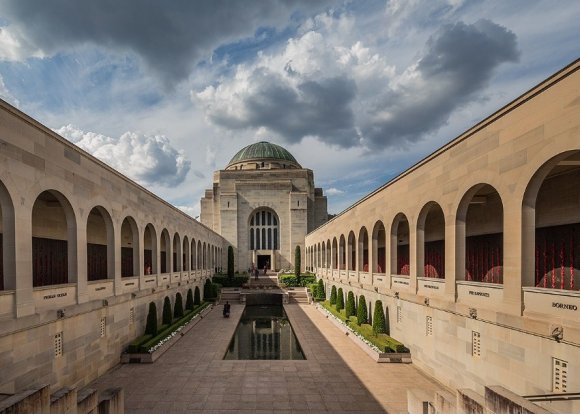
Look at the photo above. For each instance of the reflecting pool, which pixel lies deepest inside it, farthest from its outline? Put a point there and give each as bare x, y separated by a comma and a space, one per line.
264, 332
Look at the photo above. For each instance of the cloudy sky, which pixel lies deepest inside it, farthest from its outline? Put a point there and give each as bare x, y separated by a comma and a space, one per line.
358, 91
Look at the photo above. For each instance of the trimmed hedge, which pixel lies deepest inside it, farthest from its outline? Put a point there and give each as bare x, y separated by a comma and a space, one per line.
350, 306
230, 262
167, 317
151, 326
297, 263
293, 281
333, 295
361, 311
189, 300
384, 342
234, 281
321, 293
145, 342
196, 297
379, 325
339, 300
178, 307
314, 289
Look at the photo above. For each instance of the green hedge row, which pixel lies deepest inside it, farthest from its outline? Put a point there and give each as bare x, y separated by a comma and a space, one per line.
236, 281
143, 343
382, 341
292, 280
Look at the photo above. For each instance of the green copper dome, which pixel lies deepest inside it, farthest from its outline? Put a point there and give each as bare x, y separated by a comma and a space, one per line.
262, 151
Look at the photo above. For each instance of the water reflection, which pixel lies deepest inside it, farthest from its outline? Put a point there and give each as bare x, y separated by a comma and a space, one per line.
264, 332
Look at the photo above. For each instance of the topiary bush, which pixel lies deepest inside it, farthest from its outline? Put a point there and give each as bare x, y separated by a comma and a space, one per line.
379, 326
350, 306
361, 311
339, 300
230, 262
178, 308
151, 327
314, 290
207, 290
167, 316
297, 263
189, 301
196, 297
320, 292
293, 281
333, 295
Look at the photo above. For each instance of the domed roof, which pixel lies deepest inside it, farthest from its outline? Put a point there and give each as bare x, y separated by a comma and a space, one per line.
262, 150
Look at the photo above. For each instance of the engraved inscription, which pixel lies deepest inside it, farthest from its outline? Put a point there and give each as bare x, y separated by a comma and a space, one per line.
477, 293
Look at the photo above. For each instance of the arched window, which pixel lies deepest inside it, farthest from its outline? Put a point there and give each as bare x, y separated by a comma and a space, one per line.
264, 230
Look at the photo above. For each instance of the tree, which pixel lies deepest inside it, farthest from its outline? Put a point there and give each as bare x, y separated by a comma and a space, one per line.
320, 291
189, 300
297, 263
151, 327
361, 311
333, 295
196, 297
167, 317
379, 326
230, 262
350, 306
339, 300
207, 291
178, 308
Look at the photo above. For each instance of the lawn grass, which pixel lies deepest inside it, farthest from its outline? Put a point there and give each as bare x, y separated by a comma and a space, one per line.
382, 341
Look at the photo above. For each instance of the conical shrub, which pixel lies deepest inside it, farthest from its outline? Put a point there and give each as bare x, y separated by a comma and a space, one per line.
196, 297
207, 289
167, 316
151, 327
189, 300
361, 311
178, 308
333, 295
339, 300
320, 291
379, 326
350, 306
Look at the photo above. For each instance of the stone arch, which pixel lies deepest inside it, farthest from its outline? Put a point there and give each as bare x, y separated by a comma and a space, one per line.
176, 253
550, 230
54, 240
150, 265
100, 244
193, 259
430, 241
129, 247
479, 235
379, 248
363, 250
351, 251
334, 257
400, 264
264, 229
165, 251
342, 252
185, 255
7, 248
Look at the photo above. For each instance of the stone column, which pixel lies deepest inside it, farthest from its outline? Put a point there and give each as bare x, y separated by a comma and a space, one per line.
81, 261
24, 297
413, 245
117, 232
512, 255
452, 250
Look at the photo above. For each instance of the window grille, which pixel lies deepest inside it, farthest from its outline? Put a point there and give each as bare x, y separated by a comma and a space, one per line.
399, 315
263, 231
103, 326
559, 375
132, 315
475, 344
58, 345
429, 326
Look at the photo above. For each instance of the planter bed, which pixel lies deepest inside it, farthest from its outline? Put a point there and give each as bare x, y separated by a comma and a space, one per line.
179, 329
370, 349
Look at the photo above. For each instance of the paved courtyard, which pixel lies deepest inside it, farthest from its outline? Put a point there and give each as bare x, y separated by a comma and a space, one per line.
337, 376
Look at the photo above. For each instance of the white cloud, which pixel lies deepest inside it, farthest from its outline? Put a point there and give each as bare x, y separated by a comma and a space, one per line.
333, 191
144, 158
191, 211
14, 47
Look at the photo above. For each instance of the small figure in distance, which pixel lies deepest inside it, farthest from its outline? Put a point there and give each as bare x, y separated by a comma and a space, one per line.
227, 309
148, 270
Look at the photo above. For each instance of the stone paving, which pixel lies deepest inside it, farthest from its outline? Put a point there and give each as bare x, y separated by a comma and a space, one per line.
337, 376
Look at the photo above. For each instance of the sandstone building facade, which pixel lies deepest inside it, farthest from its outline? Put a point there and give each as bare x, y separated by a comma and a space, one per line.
264, 203
475, 250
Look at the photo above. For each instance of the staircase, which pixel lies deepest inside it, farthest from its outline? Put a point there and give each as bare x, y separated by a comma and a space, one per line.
297, 295
231, 295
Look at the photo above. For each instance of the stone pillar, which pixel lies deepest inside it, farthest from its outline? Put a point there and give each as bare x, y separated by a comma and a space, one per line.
413, 246
512, 255
117, 231
24, 297
81, 261
452, 246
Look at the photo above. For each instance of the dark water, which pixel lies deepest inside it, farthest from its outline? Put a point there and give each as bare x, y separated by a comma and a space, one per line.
264, 332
